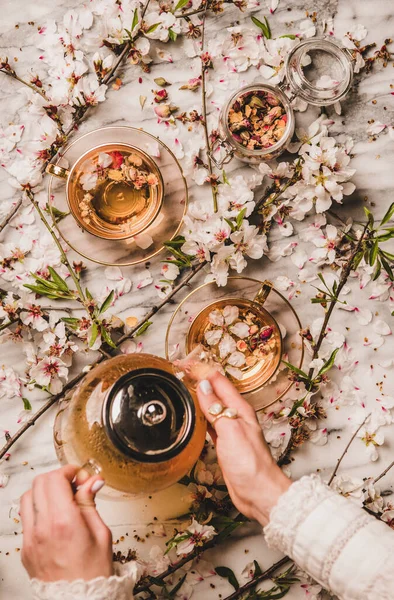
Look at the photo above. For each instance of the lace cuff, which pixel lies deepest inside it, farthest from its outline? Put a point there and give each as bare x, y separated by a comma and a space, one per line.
119, 586
292, 509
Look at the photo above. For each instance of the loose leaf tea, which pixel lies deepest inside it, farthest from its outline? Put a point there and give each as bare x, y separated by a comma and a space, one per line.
257, 119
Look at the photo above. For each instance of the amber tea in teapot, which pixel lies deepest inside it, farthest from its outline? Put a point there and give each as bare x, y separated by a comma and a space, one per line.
133, 417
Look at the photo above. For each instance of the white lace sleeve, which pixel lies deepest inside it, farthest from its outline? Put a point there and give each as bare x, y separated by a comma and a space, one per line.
118, 587
336, 542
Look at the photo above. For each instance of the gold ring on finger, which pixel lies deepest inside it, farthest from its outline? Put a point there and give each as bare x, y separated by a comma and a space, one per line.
229, 413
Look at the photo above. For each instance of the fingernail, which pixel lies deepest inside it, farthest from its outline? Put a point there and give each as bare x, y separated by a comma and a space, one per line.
205, 387
96, 487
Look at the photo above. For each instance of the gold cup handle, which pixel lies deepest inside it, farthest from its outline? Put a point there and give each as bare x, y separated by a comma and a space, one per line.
263, 292
57, 171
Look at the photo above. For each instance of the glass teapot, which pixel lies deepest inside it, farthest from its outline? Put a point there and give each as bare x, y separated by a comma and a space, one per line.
137, 423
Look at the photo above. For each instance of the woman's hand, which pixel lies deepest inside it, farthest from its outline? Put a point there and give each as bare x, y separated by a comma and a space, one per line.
253, 479
64, 537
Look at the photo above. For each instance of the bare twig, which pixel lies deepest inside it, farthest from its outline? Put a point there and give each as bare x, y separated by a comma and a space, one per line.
11, 73
212, 181
340, 459
262, 577
193, 271
383, 473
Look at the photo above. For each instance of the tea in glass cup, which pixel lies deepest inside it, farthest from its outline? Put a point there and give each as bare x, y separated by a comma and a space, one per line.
242, 336
114, 191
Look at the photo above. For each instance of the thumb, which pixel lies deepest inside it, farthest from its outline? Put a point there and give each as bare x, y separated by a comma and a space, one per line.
85, 499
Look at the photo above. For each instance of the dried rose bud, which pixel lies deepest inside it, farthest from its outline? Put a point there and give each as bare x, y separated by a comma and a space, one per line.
164, 111
193, 84
159, 95
266, 332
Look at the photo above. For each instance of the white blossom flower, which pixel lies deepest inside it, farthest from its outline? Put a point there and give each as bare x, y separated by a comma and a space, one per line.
48, 372
199, 534
34, 317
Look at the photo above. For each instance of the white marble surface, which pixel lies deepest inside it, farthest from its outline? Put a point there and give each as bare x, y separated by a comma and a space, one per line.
34, 453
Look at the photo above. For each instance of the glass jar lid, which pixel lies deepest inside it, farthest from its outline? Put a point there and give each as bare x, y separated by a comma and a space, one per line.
149, 415
319, 71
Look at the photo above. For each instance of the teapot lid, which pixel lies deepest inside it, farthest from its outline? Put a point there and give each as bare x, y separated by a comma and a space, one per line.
149, 415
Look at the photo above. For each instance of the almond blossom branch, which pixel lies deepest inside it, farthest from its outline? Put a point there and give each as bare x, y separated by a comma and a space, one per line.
204, 67
65, 260
340, 459
283, 459
267, 574
9, 71
79, 115
342, 282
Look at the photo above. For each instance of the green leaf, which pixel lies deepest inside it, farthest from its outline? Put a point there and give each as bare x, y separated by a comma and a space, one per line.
257, 569
172, 35
177, 586
268, 27
384, 237
296, 406
357, 259
57, 214
26, 404
153, 28
181, 4
329, 363
143, 328
291, 36
135, 19
94, 334
388, 215
156, 581
107, 302
295, 369
176, 242
106, 337
387, 255
88, 294
374, 253
60, 282
240, 218
229, 575
50, 285
377, 271
41, 291
369, 216
387, 268
266, 30
230, 224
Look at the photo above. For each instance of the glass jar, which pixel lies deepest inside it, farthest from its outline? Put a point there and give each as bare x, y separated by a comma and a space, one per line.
318, 71
136, 421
